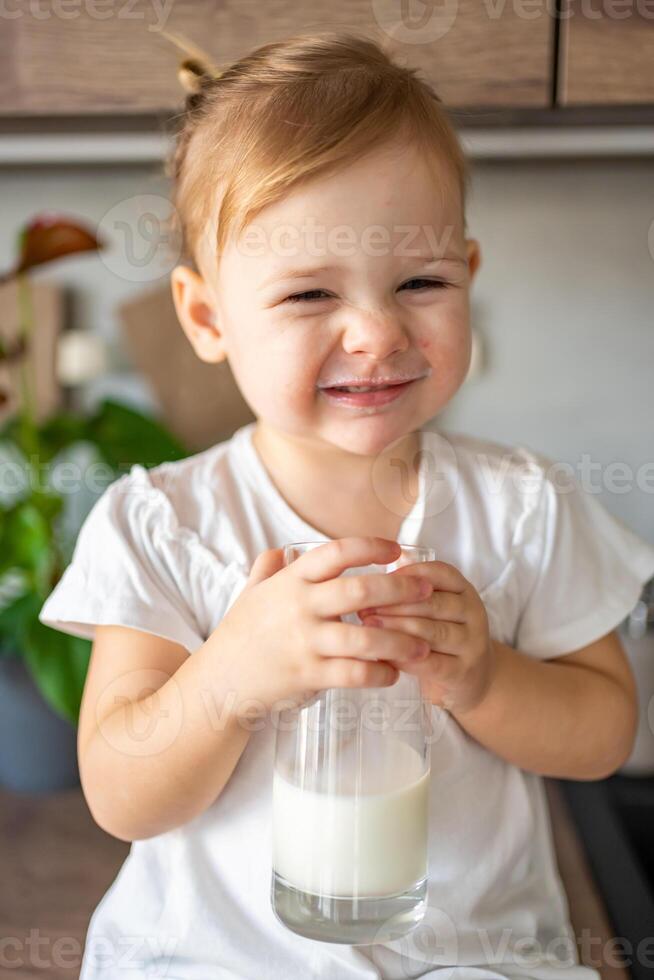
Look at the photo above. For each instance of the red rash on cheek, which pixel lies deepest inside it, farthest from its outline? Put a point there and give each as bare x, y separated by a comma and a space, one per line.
424, 343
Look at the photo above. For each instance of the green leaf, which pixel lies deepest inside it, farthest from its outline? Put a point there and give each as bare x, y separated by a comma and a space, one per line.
58, 663
15, 620
124, 436
10, 429
61, 431
48, 503
13, 431
26, 539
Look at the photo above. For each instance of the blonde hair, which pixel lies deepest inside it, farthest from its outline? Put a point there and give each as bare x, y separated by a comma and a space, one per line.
290, 111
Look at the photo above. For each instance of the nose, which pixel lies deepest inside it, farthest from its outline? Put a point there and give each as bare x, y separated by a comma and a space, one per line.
378, 334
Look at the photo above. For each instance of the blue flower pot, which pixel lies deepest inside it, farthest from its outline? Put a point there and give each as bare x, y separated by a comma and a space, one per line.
38, 748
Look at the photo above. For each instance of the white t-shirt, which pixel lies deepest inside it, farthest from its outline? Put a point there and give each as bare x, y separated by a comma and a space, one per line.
168, 550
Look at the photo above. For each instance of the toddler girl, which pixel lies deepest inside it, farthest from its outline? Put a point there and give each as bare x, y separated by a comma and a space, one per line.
320, 193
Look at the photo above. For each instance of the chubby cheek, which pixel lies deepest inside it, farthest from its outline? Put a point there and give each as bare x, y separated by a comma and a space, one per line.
278, 377
447, 346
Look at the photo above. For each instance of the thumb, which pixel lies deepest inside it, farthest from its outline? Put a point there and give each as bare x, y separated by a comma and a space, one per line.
265, 565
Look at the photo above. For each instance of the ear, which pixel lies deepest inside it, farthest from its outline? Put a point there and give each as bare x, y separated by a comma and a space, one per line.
196, 314
473, 252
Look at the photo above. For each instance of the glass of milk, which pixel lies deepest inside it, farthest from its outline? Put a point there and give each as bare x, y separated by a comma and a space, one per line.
350, 803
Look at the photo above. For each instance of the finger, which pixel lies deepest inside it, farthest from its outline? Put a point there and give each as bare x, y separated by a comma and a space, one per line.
265, 564
440, 605
346, 672
437, 667
332, 558
440, 574
441, 636
331, 639
349, 593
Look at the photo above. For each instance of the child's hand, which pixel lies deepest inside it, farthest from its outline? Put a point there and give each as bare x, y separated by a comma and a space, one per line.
453, 620
282, 639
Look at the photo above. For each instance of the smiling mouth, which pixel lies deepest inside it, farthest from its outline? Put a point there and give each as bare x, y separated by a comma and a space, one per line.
363, 396
393, 384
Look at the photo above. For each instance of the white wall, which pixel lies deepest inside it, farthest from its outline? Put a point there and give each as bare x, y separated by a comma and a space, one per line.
564, 301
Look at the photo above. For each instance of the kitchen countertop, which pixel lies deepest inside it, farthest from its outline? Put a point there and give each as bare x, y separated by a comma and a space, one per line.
56, 865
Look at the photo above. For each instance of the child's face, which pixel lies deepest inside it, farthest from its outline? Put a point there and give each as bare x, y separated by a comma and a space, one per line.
378, 225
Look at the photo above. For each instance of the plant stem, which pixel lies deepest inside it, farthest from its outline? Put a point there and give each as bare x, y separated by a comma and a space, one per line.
27, 412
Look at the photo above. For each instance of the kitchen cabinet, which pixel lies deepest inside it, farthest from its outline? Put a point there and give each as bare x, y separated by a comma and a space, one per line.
99, 57
606, 53
93, 66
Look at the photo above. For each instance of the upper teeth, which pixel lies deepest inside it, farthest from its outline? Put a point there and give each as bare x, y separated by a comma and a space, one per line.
363, 388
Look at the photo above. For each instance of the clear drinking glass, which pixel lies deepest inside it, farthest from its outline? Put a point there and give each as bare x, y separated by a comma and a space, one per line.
350, 803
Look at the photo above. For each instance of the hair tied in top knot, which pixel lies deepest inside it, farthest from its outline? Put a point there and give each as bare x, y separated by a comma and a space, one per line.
193, 75
196, 70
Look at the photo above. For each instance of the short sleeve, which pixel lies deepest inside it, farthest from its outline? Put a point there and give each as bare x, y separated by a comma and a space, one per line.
132, 565
581, 570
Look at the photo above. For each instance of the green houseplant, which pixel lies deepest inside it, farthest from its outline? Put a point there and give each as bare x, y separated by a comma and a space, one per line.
34, 550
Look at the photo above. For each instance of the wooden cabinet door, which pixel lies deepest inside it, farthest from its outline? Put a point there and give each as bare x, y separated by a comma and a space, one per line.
109, 56
606, 53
